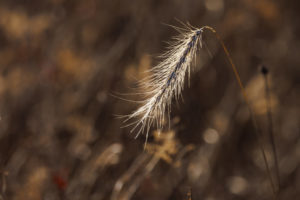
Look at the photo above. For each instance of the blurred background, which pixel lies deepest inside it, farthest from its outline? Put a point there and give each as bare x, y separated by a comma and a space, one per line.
63, 62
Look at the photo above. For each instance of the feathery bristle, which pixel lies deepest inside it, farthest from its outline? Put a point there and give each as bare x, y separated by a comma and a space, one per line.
166, 80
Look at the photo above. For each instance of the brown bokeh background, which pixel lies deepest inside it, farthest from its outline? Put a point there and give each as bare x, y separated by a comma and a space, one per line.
65, 65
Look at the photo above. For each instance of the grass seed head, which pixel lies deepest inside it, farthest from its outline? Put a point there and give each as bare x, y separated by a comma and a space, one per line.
166, 80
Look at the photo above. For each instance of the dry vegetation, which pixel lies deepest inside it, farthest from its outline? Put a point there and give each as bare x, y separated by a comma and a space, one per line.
62, 62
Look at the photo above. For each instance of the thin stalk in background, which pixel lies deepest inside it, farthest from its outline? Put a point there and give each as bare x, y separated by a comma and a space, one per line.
265, 73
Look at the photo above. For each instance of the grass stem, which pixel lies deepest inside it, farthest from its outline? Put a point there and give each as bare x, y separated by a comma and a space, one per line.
252, 114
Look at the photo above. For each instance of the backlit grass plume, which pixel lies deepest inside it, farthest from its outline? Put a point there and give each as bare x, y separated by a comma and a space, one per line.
166, 80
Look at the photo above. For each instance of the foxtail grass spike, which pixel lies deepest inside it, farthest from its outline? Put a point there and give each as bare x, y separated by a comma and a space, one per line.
167, 81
